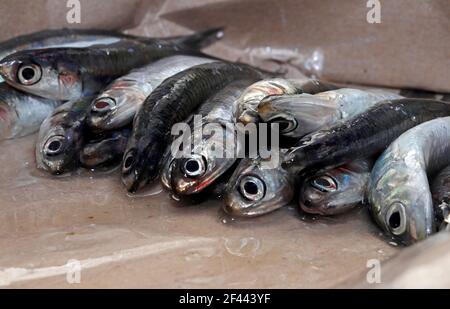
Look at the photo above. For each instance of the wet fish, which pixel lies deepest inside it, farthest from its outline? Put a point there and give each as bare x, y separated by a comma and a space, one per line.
208, 160
116, 106
70, 73
398, 191
246, 107
302, 114
61, 137
337, 190
171, 102
440, 193
105, 151
254, 190
363, 135
22, 114
63, 38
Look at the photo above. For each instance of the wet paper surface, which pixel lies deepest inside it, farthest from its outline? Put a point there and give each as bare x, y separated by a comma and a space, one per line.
153, 241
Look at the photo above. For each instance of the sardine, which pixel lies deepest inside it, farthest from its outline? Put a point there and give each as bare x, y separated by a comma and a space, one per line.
398, 191
71, 73
246, 111
171, 102
63, 38
302, 114
208, 160
61, 137
363, 135
440, 193
337, 190
254, 190
116, 106
22, 114
105, 151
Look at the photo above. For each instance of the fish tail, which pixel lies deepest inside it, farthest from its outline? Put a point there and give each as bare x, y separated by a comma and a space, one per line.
201, 39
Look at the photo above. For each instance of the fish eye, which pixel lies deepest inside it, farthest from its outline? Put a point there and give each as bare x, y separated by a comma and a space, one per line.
285, 125
128, 162
396, 218
194, 166
103, 104
29, 74
252, 188
324, 184
54, 145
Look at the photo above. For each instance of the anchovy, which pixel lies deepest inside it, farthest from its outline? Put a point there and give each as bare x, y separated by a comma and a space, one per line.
440, 193
208, 159
106, 151
70, 73
248, 102
22, 114
254, 190
302, 114
116, 106
61, 137
335, 191
363, 135
398, 192
62, 38
169, 103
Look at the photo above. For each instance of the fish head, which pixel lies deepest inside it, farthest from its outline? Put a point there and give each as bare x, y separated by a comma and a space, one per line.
400, 199
297, 115
334, 191
57, 147
137, 163
43, 73
203, 166
254, 190
246, 106
115, 107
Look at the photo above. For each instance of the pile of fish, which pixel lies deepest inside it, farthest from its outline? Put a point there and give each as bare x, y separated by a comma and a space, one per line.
101, 98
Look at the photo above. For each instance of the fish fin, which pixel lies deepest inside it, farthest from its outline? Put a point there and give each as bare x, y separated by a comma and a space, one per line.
201, 39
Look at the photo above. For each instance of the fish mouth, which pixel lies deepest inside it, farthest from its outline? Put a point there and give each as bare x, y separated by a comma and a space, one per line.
248, 117
8, 69
396, 218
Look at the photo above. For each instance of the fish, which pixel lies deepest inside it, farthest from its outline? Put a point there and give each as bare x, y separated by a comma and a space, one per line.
208, 160
22, 114
61, 137
440, 193
171, 102
335, 191
362, 136
254, 190
63, 38
69, 73
301, 114
246, 106
116, 106
105, 151
398, 191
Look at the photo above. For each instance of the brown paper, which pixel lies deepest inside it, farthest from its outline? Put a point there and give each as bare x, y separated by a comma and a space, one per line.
330, 39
